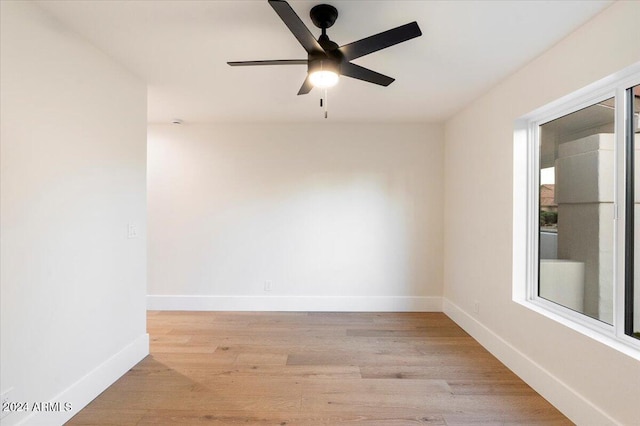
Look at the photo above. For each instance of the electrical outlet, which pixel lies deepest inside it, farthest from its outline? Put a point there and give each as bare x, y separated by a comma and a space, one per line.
476, 307
5, 398
268, 285
132, 231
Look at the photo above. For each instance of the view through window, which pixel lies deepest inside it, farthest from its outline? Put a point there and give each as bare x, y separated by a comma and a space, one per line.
576, 217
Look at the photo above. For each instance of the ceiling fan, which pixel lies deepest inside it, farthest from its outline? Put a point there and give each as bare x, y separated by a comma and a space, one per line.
326, 61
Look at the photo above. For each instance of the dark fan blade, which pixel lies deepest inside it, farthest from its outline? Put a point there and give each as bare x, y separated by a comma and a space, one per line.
380, 41
274, 62
362, 73
296, 26
306, 87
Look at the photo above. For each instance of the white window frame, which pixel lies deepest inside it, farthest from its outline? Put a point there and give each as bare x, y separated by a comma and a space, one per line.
526, 186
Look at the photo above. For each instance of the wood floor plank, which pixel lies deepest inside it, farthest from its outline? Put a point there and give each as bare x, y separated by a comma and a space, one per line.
187, 418
108, 417
381, 359
270, 368
489, 387
416, 333
475, 372
252, 358
220, 401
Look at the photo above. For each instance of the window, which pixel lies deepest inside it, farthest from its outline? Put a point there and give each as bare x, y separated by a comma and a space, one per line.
577, 211
632, 272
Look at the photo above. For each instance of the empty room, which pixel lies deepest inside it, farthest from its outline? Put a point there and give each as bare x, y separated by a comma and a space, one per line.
319, 213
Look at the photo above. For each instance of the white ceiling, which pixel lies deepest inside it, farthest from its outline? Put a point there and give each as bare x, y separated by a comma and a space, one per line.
181, 48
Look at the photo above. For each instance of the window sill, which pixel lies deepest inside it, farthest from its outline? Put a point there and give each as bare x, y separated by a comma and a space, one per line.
594, 329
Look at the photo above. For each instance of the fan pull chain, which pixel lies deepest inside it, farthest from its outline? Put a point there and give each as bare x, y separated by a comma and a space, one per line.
326, 103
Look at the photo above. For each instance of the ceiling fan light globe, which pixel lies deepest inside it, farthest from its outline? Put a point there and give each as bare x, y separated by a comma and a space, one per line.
323, 79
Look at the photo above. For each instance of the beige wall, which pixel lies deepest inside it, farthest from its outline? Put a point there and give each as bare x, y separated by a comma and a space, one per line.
72, 134
478, 241
336, 216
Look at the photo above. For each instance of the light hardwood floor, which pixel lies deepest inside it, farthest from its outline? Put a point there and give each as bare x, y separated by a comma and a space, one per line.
223, 368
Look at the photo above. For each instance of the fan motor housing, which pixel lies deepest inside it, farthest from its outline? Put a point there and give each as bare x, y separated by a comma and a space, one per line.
323, 64
327, 44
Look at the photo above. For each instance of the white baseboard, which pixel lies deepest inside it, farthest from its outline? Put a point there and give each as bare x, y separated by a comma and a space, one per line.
573, 405
82, 392
295, 303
